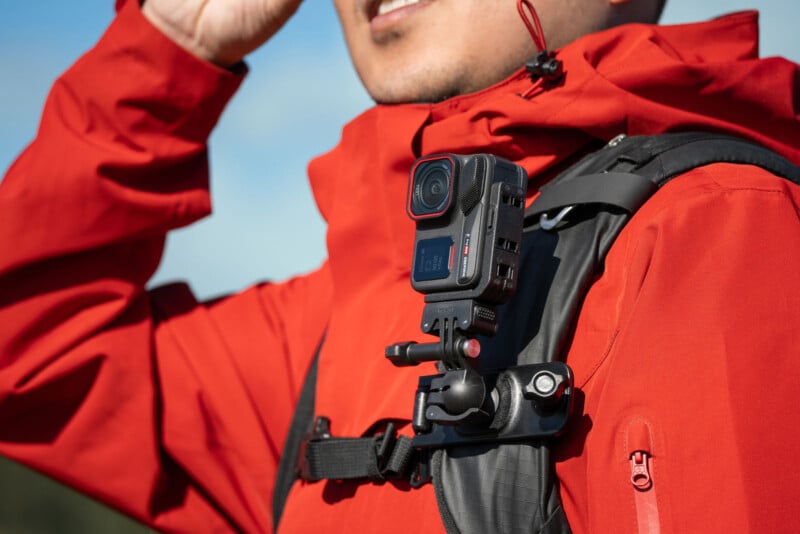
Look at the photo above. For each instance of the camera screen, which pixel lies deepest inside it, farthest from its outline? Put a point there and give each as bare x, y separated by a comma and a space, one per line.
433, 259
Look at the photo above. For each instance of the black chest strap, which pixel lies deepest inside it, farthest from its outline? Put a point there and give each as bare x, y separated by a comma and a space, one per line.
385, 455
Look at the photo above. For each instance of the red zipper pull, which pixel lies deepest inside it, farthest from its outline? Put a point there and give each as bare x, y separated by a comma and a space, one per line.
640, 471
639, 448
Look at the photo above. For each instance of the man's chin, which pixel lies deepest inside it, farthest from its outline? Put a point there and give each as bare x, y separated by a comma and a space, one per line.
414, 93
421, 93
420, 99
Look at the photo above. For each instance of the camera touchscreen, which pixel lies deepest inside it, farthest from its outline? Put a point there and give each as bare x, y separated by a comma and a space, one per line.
434, 259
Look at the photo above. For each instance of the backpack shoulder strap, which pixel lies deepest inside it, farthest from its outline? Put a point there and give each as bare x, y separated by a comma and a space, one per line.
573, 223
629, 170
561, 255
311, 453
301, 425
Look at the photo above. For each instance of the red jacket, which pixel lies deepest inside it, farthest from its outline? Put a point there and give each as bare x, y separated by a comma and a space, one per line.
176, 411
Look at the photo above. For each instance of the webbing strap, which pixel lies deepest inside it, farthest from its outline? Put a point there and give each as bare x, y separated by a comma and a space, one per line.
379, 457
298, 429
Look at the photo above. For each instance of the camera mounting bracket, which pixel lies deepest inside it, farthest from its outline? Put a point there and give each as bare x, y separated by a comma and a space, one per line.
461, 407
456, 322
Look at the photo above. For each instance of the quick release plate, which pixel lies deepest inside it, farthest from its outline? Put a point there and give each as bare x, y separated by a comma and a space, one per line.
519, 403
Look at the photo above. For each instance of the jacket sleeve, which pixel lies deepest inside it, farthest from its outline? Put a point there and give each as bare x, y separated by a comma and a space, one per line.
120, 159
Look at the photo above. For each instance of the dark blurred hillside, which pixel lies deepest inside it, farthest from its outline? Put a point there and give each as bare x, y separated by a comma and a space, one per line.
33, 504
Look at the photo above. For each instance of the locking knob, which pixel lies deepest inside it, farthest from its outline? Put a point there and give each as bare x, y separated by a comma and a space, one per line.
545, 388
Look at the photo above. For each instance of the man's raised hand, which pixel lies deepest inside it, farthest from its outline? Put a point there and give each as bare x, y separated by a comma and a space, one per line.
220, 31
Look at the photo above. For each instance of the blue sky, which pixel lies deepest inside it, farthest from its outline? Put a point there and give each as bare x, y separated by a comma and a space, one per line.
300, 92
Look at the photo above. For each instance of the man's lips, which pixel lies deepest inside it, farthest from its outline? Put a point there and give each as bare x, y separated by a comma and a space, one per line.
387, 6
385, 13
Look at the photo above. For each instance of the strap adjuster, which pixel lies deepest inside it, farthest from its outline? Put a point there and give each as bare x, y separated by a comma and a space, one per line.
385, 443
319, 431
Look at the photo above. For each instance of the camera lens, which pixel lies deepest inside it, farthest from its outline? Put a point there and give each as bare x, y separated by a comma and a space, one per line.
432, 188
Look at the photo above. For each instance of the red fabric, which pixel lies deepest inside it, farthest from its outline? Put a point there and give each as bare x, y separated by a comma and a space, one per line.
175, 411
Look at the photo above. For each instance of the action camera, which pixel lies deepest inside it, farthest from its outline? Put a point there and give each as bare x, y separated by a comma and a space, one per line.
469, 213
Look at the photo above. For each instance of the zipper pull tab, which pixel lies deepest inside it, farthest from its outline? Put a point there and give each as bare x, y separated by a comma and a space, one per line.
640, 471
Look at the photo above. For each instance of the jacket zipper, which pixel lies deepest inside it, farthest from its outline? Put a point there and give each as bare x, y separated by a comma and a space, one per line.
639, 444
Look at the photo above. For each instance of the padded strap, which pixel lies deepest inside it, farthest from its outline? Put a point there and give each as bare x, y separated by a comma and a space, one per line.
675, 154
625, 190
627, 171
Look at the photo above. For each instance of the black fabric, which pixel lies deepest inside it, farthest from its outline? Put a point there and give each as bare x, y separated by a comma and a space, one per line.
401, 458
496, 495
301, 425
556, 270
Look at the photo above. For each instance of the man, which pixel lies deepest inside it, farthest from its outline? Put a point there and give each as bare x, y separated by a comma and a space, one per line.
176, 412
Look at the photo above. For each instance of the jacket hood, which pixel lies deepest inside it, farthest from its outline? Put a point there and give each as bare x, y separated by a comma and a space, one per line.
636, 79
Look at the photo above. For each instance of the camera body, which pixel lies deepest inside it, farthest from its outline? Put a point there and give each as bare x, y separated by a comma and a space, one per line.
469, 213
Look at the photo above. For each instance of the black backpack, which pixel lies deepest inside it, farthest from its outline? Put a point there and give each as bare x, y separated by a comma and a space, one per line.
568, 232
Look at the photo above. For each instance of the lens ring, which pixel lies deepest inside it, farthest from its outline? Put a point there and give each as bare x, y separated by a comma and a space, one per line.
433, 186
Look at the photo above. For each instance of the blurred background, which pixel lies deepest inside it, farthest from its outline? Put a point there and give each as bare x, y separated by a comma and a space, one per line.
299, 93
